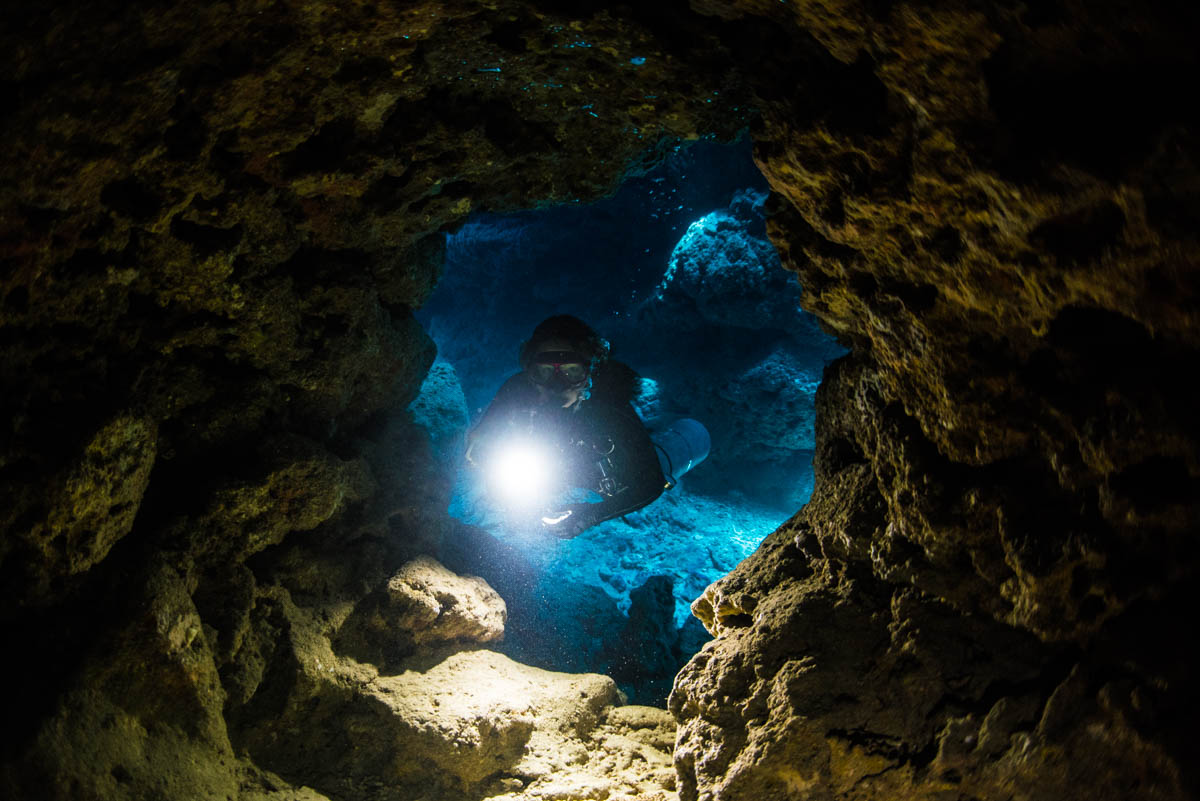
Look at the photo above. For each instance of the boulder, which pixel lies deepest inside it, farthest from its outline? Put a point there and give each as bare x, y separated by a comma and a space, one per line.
438, 606
421, 607
724, 272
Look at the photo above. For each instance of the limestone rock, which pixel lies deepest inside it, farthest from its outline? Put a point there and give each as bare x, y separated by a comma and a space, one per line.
625, 758
84, 510
441, 409
444, 725
646, 724
771, 405
215, 222
992, 448
439, 606
724, 272
420, 607
839, 566
473, 714
144, 700
298, 485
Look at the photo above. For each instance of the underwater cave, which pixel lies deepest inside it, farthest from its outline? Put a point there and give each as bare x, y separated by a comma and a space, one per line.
678, 273
925, 271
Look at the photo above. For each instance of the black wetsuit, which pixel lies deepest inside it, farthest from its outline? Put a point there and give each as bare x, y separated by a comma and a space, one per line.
603, 443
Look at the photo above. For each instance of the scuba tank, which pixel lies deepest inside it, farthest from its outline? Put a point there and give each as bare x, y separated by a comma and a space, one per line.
681, 446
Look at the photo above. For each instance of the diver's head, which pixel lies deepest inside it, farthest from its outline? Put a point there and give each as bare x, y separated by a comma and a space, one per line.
560, 356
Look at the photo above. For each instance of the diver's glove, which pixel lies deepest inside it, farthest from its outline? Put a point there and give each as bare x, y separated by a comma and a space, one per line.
570, 521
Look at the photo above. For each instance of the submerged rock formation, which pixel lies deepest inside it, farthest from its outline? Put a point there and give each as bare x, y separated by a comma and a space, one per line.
724, 294
982, 598
216, 220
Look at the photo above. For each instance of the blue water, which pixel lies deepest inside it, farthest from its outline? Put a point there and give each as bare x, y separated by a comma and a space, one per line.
676, 271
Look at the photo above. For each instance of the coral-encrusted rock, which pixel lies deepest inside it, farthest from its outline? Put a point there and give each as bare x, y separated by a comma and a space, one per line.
439, 606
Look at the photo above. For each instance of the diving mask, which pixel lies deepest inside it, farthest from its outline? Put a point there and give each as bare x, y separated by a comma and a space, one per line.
559, 369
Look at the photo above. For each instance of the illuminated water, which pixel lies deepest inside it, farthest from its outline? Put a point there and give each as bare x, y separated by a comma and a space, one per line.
676, 271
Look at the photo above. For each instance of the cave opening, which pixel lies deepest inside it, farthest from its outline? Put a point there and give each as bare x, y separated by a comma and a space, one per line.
675, 270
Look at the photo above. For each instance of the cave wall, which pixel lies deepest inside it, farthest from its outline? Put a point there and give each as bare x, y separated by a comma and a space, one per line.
982, 598
215, 220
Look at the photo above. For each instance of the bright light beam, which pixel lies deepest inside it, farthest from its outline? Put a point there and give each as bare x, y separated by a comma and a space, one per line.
521, 474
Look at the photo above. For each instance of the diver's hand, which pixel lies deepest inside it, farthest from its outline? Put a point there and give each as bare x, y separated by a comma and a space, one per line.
570, 521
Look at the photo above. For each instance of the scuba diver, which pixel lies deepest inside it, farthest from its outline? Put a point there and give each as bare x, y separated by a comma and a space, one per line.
566, 423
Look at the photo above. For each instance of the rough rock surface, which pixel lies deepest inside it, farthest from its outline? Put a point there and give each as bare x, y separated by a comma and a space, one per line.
725, 273
444, 724
625, 757
1007, 456
216, 219
422, 606
441, 409
723, 292
440, 606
